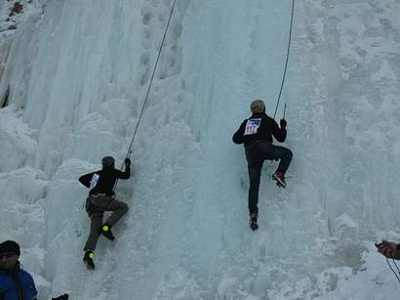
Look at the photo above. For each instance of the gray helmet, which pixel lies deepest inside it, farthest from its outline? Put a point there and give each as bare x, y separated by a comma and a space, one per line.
257, 106
108, 162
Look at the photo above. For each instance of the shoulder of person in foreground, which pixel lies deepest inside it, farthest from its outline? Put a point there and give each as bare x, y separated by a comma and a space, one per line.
62, 297
28, 283
389, 249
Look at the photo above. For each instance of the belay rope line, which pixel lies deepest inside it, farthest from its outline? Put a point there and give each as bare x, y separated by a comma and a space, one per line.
391, 268
151, 80
284, 111
287, 61
149, 87
155, 68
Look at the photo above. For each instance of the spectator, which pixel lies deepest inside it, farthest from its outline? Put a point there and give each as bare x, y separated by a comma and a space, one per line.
15, 283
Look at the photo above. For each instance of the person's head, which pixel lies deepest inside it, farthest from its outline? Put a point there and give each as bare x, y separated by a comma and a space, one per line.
9, 254
257, 106
108, 162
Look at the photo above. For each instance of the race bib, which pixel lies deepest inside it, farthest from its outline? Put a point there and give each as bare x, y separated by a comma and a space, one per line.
94, 180
252, 126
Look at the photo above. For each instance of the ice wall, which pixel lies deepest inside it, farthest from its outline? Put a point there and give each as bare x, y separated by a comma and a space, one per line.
78, 75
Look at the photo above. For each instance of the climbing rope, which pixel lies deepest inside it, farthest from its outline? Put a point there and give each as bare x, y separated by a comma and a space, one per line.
128, 155
287, 59
151, 81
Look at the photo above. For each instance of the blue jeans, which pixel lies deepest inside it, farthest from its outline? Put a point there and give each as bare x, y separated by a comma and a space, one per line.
256, 154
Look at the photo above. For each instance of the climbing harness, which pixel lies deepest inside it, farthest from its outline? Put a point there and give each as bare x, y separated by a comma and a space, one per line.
287, 59
128, 155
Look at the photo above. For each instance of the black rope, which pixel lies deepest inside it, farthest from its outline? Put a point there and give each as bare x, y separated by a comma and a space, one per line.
398, 271
391, 268
287, 59
128, 155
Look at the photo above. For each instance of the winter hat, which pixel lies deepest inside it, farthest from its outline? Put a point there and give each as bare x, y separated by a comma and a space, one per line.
9, 247
257, 106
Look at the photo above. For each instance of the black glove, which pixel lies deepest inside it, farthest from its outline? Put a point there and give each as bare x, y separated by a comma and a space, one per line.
127, 162
283, 123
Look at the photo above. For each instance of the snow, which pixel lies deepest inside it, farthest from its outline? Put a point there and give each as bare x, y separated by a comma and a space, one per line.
77, 74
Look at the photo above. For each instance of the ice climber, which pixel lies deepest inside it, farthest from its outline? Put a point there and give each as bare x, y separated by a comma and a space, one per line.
101, 199
256, 134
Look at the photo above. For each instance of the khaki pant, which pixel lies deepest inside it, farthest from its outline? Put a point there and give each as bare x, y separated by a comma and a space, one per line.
96, 205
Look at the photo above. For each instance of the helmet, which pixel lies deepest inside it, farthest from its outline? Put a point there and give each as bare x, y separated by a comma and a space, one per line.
108, 162
257, 106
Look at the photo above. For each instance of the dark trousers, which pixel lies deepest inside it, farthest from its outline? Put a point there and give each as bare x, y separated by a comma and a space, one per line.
96, 206
256, 154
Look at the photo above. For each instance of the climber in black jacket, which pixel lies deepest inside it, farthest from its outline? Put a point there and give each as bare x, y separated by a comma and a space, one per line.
101, 198
256, 134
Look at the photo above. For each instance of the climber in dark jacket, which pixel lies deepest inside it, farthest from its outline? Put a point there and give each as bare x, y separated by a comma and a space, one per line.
101, 199
256, 134
15, 283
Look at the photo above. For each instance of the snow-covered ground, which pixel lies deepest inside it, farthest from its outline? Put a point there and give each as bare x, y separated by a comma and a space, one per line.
77, 73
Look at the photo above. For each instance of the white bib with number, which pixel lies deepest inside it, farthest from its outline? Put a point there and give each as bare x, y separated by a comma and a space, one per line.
94, 180
252, 126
